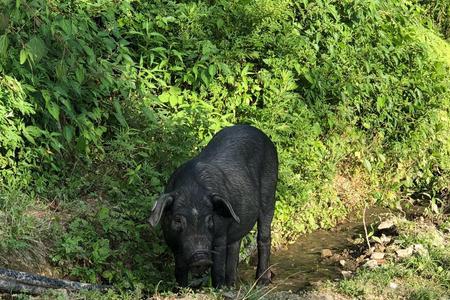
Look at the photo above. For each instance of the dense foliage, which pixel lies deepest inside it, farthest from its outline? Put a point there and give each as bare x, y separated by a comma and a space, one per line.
101, 100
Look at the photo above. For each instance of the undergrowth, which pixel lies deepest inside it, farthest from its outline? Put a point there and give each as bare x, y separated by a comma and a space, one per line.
101, 100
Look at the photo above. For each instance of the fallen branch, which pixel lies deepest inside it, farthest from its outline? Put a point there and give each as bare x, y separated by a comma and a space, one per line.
21, 282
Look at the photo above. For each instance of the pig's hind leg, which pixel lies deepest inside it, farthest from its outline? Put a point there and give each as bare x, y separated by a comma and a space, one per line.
267, 208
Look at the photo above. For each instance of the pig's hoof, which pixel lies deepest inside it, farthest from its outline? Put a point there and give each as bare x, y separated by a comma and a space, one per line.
264, 281
266, 278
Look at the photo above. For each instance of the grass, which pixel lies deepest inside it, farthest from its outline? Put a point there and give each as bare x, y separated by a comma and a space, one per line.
25, 225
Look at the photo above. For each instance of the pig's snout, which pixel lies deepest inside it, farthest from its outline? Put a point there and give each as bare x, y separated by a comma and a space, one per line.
201, 258
200, 262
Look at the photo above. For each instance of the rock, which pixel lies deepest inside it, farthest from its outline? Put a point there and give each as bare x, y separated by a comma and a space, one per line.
335, 257
393, 285
385, 239
327, 253
420, 250
229, 295
342, 262
386, 225
377, 255
371, 264
360, 259
346, 274
404, 253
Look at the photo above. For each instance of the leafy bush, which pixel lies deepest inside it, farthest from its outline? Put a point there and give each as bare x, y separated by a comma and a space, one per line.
102, 100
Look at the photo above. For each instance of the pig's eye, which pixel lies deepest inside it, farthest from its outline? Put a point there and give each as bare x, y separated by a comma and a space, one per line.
209, 222
177, 223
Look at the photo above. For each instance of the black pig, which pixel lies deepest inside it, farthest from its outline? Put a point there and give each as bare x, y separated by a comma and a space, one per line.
214, 199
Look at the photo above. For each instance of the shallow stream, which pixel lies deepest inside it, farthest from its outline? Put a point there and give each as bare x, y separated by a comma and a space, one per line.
301, 264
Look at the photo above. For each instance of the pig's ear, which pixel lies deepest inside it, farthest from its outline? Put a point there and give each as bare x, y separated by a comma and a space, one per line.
223, 207
158, 208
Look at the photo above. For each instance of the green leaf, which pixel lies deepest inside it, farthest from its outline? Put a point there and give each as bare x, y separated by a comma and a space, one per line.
37, 48
380, 103
51, 106
80, 74
118, 114
164, 97
367, 165
212, 70
68, 133
23, 56
61, 70
53, 109
4, 22
366, 125
46, 95
173, 100
204, 77
31, 132
149, 114
4, 43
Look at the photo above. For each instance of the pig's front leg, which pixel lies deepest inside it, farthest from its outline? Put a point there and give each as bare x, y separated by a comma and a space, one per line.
181, 271
219, 261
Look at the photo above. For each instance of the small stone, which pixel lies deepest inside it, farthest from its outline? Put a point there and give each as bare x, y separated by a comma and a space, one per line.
404, 253
346, 274
377, 255
385, 239
229, 295
420, 250
393, 285
327, 253
379, 248
358, 241
335, 257
371, 264
342, 262
360, 259
386, 225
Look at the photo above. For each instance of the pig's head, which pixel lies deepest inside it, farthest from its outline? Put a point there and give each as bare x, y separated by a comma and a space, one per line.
189, 225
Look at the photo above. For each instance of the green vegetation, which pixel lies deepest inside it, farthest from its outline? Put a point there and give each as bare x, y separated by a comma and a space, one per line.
101, 100
439, 11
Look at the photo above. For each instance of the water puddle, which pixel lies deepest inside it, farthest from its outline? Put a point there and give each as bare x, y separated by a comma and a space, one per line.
301, 264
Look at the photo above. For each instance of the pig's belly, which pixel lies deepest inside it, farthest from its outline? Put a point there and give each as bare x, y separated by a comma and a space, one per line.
238, 231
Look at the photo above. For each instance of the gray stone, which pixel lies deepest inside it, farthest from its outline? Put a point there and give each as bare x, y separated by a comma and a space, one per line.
420, 250
371, 263
404, 253
386, 225
377, 255
346, 274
